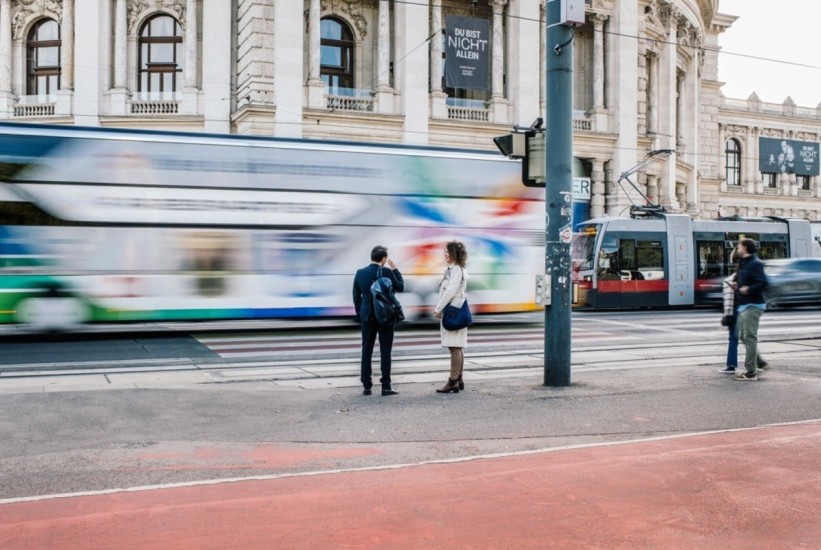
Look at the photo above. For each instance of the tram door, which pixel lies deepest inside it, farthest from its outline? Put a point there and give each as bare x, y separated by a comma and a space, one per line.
631, 270
680, 246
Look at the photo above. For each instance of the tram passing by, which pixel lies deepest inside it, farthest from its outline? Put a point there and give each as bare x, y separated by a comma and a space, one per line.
115, 225
666, 259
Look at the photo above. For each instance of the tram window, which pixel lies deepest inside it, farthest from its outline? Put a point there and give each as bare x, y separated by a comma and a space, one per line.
769, 250
627, 255
608, 264
649, 260
711, 259
631, 261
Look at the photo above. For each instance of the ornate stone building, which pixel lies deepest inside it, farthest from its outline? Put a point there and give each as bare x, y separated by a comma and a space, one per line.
646, 78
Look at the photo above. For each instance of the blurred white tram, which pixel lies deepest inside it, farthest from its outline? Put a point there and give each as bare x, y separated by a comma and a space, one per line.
112, 225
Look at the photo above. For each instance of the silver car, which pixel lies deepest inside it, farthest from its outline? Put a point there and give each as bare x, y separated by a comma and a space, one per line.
793, 281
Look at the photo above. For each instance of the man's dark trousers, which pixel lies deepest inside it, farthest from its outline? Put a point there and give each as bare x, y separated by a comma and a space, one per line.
370, 330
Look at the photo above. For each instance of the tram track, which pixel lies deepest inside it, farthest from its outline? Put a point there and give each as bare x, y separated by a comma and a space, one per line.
482, 360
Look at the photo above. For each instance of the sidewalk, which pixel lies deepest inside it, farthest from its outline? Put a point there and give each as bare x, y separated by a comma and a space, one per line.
756, 488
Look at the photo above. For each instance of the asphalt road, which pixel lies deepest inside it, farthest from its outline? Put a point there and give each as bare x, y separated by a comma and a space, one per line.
81, 432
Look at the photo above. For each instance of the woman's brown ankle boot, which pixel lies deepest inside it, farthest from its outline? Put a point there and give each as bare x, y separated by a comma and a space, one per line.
451, 386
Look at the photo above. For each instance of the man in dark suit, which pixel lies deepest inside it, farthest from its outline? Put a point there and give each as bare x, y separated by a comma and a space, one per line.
370, 328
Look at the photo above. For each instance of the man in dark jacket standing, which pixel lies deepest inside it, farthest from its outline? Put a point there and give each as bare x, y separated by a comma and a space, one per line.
370, 328
751, 282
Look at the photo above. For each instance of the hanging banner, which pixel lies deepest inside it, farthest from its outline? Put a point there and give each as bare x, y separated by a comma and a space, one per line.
787, 156
467, 53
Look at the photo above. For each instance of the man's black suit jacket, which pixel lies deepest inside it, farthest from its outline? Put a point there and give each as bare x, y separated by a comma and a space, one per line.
362, 282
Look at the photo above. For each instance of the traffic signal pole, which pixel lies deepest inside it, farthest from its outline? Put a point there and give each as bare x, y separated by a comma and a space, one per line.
558, 193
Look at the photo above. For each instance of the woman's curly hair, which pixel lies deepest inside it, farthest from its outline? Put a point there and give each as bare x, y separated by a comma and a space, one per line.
457, 252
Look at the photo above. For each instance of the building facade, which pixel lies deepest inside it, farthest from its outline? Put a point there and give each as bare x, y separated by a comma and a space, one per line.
646, 78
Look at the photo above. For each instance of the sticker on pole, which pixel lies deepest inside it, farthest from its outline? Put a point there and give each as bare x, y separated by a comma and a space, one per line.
565, 234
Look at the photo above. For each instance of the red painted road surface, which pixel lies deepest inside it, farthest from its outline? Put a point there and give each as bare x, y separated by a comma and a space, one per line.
747, 489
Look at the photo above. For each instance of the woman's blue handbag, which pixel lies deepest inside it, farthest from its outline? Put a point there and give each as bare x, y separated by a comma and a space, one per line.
456, 318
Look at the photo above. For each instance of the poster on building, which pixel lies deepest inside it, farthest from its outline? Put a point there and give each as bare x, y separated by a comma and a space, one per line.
467, 53
788, 156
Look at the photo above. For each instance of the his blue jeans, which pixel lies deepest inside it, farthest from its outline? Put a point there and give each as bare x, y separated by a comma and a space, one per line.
732, 344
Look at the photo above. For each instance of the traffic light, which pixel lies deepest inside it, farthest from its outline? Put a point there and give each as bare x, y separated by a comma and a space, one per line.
527, 145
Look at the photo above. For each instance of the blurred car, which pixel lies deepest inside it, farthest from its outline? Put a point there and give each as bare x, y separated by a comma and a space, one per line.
793, 281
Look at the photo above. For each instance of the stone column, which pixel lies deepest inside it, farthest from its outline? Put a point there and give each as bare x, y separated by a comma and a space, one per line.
216, 73
722, 158
598, 64
66, 91
384, 92
436, 50
190, 93
498, 105
752, 151
667, 112
120, 45
623, 85
316, 90
288, 77
692, 133
438, 98
191, 32
652, 95
119, 95
6, 96
67, 50
93, 38
681, 95
523, 48
598, 189
653, 188
411, 75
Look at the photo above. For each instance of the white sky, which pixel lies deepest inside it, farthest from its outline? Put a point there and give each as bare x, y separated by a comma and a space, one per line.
785, 30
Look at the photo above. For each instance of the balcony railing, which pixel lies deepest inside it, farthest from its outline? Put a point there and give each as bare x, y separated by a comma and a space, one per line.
155, 107
34, 110
782, 109
349, 103
471, 114
582, 123
34, 106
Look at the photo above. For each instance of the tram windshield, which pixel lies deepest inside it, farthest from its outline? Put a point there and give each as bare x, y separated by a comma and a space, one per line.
584, 247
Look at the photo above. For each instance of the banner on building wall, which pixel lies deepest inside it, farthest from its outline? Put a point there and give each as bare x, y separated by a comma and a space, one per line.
467, 53
788, 156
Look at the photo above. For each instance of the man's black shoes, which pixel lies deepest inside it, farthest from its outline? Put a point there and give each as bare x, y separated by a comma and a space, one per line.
388, 391
366, 391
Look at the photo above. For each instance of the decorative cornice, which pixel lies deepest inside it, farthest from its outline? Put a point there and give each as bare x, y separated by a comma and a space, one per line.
137, 8
24, 10
351, 8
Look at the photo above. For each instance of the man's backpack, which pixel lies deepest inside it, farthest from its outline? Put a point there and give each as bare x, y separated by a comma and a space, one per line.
385, 308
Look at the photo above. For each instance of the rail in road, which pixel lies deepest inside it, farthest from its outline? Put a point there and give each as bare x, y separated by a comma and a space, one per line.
612, 340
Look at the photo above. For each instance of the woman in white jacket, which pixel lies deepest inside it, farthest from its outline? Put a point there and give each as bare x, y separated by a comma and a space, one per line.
452, 290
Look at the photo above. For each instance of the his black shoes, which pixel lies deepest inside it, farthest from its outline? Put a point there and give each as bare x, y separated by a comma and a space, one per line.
385, 391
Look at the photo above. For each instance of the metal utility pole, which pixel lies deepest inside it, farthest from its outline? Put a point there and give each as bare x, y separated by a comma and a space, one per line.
561, 15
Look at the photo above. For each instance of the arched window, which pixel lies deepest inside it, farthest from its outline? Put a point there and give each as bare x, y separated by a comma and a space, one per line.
733, 162
161, 55
43, 58
336, 56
